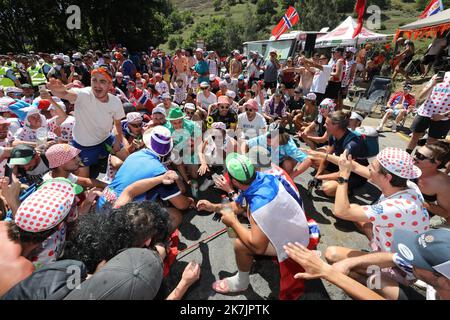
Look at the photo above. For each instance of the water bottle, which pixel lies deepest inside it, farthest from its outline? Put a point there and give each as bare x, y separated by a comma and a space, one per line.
41, 136
226, 208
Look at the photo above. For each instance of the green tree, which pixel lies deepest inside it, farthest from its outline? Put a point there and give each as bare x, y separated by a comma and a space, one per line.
217, 4
41, 25
317, 14
266, 6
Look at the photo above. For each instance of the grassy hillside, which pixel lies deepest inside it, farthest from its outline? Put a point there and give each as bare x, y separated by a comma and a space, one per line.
400, 13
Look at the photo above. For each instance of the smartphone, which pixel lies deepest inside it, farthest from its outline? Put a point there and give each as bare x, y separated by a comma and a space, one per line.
440, 76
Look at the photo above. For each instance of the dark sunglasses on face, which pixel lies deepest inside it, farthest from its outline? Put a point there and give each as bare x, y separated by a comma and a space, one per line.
135, 125
248, 110
224, 107
422, 157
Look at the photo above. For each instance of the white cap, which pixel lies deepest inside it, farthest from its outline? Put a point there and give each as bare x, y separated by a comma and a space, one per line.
60, 104
13, 90
231, 94
66, 59
351, 49
159, 110
199, 50
311, 96
356, 116
189, 106
119, 74
227, 76
77, 55
166, 95
134, 117
212, 77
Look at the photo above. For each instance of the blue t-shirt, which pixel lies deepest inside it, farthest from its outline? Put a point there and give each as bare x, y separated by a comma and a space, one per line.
139, 165
282, 152
202, 67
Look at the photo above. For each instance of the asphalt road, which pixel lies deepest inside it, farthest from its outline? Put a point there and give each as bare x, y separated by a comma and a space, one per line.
217, 257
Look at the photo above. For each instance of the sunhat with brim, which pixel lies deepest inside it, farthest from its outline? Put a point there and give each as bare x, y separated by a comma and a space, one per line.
47, 207
239, 167
59, 154
158, 140
204, 85
429, 250
219, 126
189, 106
252, 104
175, 114
399, 162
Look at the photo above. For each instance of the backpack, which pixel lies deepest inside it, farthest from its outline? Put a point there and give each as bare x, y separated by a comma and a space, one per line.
368, 137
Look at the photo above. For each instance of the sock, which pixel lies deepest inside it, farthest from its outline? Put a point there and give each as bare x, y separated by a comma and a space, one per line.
238, 282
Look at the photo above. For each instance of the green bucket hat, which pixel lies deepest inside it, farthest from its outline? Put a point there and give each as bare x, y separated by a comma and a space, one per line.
175, 114
239, 167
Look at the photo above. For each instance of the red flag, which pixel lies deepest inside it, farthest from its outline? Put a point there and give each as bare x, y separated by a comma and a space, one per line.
360, 7
289, 19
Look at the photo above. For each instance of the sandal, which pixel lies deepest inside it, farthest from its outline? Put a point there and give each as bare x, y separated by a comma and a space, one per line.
221, 286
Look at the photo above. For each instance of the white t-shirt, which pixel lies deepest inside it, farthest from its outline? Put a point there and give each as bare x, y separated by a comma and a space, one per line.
72, 178
402, 210
250, 129
320, 80
95, 119
205, 102
233, 85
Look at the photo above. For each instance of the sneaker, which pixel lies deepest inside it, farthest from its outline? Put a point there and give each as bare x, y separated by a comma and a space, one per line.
206, 184
379, 128
394, 127
194, 189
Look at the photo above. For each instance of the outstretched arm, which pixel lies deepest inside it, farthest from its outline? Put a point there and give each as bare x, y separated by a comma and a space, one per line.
58, 89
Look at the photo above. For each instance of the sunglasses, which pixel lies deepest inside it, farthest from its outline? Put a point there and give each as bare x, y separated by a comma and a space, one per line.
421, 157
224, 107
249, 110
190, 113
135, 125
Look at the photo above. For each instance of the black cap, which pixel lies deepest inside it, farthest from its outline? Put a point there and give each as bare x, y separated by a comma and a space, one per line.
22, 155
338, 49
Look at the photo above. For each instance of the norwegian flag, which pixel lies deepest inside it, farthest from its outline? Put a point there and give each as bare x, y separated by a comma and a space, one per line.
289, 19
434, 7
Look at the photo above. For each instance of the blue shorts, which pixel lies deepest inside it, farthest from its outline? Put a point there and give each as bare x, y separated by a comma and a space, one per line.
91, 155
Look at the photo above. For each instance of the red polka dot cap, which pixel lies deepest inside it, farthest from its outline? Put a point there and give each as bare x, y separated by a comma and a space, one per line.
399, 162
47, 207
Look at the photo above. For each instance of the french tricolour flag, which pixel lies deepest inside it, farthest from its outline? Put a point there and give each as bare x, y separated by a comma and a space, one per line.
278, 210
434, 7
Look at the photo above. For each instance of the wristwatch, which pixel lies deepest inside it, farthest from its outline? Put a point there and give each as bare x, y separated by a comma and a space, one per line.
342, 180
231, 195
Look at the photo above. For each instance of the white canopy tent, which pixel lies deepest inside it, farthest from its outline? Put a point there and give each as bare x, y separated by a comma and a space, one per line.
343, 36
435, 20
